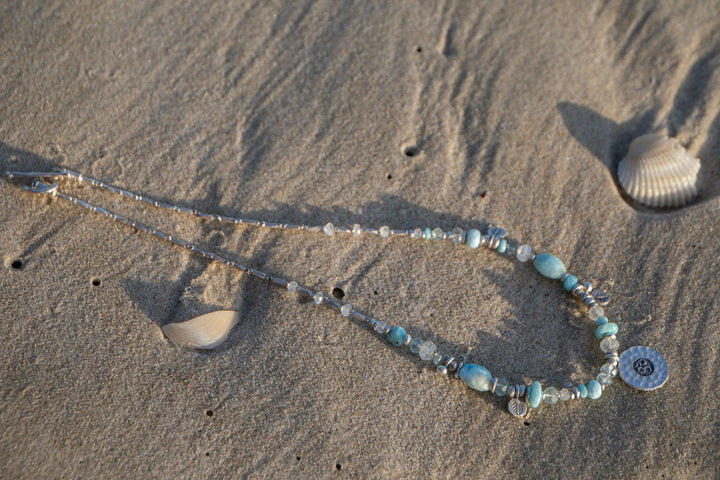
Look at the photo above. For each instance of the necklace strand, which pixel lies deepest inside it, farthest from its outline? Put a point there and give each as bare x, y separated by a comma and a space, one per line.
643, 368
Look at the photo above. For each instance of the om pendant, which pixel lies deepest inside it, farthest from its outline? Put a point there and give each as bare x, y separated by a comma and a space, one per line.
643, 368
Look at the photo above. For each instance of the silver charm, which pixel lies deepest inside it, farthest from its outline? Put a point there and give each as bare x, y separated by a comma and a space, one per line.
643, 368
601, 297
517, 407
496, 232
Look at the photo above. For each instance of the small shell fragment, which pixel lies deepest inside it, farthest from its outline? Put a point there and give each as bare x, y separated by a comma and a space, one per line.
204, 332
658, 172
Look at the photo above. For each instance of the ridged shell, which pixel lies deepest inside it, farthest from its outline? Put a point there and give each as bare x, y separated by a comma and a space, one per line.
204, 332
657, 171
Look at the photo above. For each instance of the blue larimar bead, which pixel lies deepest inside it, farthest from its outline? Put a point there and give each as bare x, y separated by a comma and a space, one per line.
593, 389
476, 377
601, 321
606, 329
583, 390
473, 237
549, 266
570, 282
502, 248
396, 336
428, 233
535, 394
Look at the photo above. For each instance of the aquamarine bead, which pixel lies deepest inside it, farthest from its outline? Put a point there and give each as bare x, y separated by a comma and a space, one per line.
549, 266
396, 336
503, 246
570, 282
606, 329
535, 394
601, 321
594, 390
428, 233
473, 237
583, 390
476, 377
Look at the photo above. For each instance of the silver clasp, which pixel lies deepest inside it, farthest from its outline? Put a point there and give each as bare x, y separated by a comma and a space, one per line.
39, 182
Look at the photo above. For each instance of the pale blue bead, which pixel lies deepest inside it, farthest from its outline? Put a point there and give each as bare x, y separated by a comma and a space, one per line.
606, 329
503, 246
473, 237
570, 282
396, 336
583, 390
476, 377
549, 265
601, 321
535, 394
593, 389
428, 233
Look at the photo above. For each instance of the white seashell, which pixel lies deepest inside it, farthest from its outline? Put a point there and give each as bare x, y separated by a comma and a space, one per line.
204, 332
657, 171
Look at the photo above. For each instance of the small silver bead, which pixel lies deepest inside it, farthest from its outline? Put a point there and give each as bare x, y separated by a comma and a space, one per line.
511, 391
578, 290
407, 340
575, 393
494, 384
532, 257
588, 286
564, 276
442, 370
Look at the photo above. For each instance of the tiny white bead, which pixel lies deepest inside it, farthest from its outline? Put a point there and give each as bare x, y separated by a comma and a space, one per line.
596, 312
345, 310
329, 229
384, 231
357, 230
318, 298
292, 286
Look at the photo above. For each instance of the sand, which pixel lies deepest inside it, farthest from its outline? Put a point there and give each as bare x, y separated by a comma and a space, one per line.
407, 114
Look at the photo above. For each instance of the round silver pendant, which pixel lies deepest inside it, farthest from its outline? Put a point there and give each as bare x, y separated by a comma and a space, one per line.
517, 407
643, 368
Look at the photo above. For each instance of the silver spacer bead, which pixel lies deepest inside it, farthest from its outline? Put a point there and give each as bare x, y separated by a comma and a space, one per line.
494, 384
564, 276
575, 393
511, 391
442, 370
407, 340
588, 286
578, 290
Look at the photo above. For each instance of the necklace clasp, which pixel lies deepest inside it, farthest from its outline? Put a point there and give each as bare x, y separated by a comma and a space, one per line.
39, 182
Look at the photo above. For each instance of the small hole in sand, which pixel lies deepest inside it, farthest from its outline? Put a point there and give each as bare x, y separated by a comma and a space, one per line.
207, 454
338, 293
209, 413
95, 282
419, 49
411, 151
389, 177
338, 466
482, 195
17, 264
526, 423
297, 458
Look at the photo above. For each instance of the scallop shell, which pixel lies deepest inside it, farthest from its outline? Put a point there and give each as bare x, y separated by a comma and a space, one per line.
204, 332
657, 171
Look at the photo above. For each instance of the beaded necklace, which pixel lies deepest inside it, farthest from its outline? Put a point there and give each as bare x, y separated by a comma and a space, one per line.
640, 367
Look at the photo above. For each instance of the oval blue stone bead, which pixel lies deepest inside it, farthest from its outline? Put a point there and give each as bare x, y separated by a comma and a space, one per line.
549, 266
502, 248
601, 320
428, 233
535, 394
583, 390
606, 329
593, 389
476, 377
570, 282
396, 336
473, 237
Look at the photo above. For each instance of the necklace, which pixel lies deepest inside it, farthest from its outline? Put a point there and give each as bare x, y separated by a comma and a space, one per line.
640, 367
